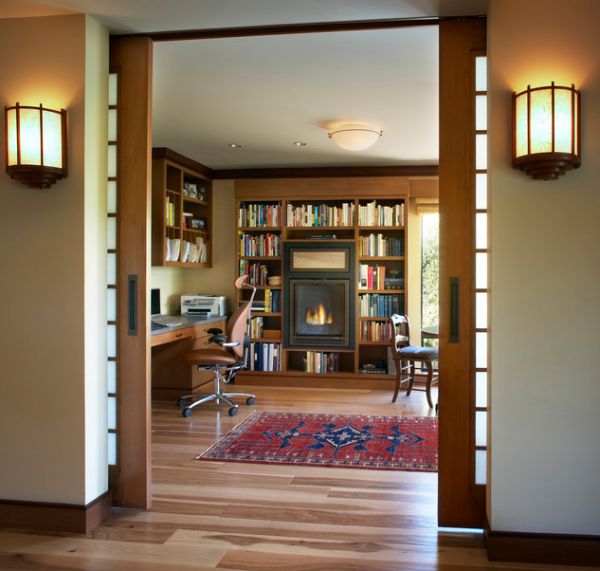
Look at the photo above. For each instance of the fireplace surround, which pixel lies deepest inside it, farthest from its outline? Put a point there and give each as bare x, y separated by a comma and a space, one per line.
319, 310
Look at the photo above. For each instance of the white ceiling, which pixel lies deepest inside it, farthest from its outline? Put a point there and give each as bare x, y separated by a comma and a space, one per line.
267, 92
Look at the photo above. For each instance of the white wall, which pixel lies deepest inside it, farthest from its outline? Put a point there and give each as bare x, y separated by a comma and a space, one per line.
545, 452
47, 403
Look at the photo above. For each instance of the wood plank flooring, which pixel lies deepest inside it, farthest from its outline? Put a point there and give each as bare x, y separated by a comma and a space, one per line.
245, 517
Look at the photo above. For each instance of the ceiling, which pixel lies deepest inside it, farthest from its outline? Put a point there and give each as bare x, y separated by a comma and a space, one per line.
267, 92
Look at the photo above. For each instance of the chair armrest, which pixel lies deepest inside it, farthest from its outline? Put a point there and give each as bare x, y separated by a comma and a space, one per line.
218, 339
230, 344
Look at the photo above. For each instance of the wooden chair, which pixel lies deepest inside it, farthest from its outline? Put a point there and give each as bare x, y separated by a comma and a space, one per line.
406, 355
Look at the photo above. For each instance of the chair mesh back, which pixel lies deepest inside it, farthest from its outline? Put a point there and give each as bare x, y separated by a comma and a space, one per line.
237, 327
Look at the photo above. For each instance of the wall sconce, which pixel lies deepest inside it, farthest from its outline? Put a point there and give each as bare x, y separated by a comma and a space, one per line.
36, 145
547, 131
355, 137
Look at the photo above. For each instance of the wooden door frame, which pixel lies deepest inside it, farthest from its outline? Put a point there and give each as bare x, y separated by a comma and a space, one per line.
460, 503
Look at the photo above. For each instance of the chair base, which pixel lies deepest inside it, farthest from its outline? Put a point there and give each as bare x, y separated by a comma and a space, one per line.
219, 396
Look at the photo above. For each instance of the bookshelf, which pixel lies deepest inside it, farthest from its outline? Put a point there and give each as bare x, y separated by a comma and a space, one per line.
181, 211
271, 213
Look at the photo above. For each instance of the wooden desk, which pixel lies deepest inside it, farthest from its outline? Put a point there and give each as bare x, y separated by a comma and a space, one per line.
171, 377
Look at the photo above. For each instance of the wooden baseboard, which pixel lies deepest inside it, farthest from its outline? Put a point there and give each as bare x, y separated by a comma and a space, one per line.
554, 548
41, 516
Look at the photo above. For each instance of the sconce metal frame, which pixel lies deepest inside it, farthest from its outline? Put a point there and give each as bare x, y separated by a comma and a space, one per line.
548, 165
35, 175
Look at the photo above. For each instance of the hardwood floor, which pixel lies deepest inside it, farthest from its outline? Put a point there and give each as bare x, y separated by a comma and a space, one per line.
253, 517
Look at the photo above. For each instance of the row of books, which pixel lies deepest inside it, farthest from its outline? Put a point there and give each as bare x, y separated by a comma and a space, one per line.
260, 245
257, 273
321, 362
307, 215
271, 303
380, 304
258, 215
372, 277
170, 212
256, 327
373, 214
376, 331
379, 245
264, 357
183, 251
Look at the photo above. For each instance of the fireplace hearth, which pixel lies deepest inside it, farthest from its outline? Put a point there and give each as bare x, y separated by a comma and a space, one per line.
319, 310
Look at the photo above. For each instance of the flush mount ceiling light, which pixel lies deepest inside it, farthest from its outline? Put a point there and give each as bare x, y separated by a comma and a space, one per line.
234, 146
299, 144
546, 131
36, 145
355, 137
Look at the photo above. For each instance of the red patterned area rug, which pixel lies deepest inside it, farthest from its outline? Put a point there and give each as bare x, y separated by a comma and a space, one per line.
338, 440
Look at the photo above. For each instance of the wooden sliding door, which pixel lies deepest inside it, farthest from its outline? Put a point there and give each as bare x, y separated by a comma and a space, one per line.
461, 499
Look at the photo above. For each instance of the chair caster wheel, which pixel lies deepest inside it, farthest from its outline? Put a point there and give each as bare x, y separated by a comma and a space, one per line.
181, 403
186, 412
250, 401
233, 411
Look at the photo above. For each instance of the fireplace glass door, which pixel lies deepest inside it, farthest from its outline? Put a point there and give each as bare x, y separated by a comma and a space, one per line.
319, 312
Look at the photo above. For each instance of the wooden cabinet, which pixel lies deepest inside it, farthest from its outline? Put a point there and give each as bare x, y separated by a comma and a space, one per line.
181, 211
370, 214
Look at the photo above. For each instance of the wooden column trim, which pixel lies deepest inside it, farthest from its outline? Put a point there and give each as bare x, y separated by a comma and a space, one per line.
131, 479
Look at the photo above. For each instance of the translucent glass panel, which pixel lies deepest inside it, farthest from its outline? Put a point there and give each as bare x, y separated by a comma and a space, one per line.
53, 146
541, 121
481, 310
481, 380
112, 449
481, 428
481, 191
481, 350
111, 269
111, 197
521, 125
481, 73
111, 233
481, 152
111, 304
481, 112
112, 161
481, 270
111, 340
111, 376
31, 152
112, 413
112, 88
562, 121
481, 235
112, 124
480, 467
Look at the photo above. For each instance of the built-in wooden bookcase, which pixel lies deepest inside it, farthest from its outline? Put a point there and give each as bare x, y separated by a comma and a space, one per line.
181, 211
371, 214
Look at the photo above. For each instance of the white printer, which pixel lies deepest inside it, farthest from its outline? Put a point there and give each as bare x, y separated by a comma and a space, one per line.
203, 304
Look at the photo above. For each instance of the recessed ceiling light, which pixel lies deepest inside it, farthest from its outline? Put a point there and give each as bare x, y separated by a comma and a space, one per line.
234, 146
299, 144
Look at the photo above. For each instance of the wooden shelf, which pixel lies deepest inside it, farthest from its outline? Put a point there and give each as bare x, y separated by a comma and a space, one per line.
385, 291
380, 227
268, 287
260, 258
325, 192
260, 229
381, 258
172, 172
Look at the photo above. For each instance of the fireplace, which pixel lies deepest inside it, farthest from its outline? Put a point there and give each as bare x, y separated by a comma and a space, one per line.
319, 309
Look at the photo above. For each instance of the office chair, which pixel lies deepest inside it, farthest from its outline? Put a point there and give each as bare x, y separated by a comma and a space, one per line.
224, 361
405, 356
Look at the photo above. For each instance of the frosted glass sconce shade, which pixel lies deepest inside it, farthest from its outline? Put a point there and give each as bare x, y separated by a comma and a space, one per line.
546, 131
355, 137
36, 145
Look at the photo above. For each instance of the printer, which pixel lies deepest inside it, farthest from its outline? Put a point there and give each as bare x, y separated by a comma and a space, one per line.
203, 305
